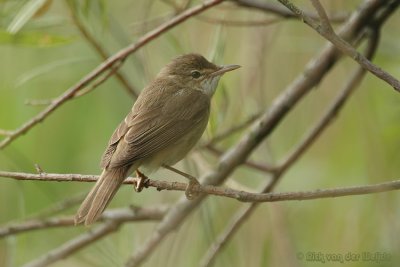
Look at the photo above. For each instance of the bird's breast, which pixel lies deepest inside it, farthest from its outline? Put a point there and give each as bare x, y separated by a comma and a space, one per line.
177, 150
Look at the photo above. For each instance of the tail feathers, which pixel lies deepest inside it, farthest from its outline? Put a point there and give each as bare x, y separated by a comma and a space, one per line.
100, 195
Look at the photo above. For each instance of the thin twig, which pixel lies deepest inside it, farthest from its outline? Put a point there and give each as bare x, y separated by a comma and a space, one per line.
333, 110
59, 206
248, 163
229, 132
222, 239
209, 145
75, 244
100, 50
327, 32
323, 17
122, 214
216, 190
282, 12
94, 74
140, 26
113, 69
244, 213
181, 173
317, 194
238, 23
55, 177
5, 132
113, 220
38, 102
29, 225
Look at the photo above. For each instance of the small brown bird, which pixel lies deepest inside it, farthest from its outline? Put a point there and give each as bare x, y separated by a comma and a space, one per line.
166, 121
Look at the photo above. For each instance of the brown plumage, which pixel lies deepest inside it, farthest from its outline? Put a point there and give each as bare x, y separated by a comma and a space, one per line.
166, 121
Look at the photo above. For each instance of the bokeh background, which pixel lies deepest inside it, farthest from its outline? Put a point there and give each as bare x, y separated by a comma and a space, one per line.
48, 55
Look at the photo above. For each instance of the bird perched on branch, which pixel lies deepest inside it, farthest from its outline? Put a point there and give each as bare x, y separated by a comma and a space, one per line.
166, 121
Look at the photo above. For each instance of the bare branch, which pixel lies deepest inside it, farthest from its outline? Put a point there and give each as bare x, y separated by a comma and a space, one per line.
113, 69
282, 12
16, 228
84, 91
238, 23
229, 132
322, 16
38, 102
222, 239
333, 110
220, 137
75, 244
215, 190
100, 50
248, 163
111, 61
327, 32
55, 177
5, 132
319, 193
60, 206
120, 215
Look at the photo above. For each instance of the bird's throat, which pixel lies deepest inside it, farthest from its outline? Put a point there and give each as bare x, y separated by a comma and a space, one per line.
208, 86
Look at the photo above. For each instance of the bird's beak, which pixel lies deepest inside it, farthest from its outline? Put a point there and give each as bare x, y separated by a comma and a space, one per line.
224, 68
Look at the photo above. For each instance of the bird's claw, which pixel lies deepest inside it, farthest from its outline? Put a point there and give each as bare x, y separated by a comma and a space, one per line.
140, 183
189, 192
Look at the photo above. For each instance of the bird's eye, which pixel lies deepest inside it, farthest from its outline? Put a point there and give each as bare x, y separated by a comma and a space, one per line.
195, 74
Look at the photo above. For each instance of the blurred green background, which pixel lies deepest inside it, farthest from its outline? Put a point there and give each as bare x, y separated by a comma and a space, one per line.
48, 55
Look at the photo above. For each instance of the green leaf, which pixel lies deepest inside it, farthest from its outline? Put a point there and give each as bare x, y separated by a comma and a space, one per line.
40, 39
25, 14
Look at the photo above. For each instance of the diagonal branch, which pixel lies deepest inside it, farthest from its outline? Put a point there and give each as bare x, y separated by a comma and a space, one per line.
333, 110
58, 207
75, 244
112, 71
283, 12
111, 61
233, 130
5, 132
122, 214
326, 31
248, 163
100, 50
209, 145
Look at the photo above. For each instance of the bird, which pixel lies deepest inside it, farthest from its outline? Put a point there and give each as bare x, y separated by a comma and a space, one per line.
166, 121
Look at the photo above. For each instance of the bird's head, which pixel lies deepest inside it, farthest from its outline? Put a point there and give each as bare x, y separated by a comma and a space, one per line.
196, 72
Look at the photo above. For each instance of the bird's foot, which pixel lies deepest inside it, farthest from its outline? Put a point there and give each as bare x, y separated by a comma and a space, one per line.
190, 193
141, 181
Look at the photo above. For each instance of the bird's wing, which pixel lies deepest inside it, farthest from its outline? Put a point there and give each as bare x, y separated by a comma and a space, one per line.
151, 129
119, 133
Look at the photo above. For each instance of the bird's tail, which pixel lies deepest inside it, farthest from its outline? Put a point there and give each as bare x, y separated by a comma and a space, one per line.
100, 195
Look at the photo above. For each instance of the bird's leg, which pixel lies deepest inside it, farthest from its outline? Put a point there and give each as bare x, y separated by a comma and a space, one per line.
189, 192
142, 179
